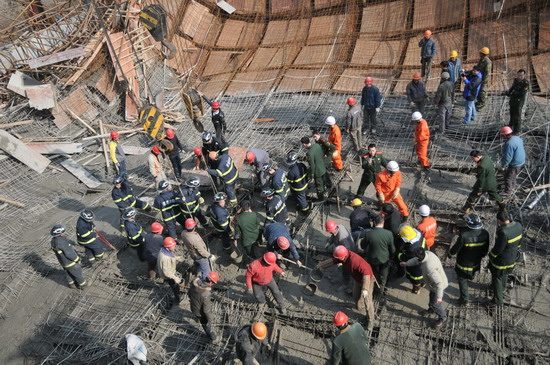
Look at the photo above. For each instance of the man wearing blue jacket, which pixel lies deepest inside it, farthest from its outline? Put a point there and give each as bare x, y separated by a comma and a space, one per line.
371, 100
513, 158
427, 52
472, 86
279, 241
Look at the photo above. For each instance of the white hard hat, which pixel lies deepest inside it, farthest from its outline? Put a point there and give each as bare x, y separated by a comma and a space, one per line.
424, 210
416, 116
392, 166
330, 120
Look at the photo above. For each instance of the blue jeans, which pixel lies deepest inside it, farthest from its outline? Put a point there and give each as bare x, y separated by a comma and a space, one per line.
203, 267
470, 112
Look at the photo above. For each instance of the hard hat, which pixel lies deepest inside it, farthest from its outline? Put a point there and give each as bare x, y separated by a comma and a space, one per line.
340, 318
330, 226
213, 277
484, 50
417, 76
87, 215
169, 242
57, 230
259, 330
190, 224
163, 185
156, 228
368, 80
130, 213
206, 136
330, 120
416, 116
351, 101
424, 210
118, 180
213, 155
220, 196
170, 133
283, 243
506, 130
291, 158
473, 221
356, 202
155, 150
445, 75
454, 54
216, 105
267, 192
250, 157
392, 166
266, 166
407, 233
193, 182
114, 134
340, 253
197, 151
270, 258
427, 33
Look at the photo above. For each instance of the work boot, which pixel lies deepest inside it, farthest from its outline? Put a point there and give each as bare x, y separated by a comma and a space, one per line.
439, 323
501, 206
416, 289
72, 286
467, 209
425, 312
463, 302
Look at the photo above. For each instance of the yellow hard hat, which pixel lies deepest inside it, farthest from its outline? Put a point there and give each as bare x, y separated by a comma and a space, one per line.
454, 54
407, 233
356, 202
484, 50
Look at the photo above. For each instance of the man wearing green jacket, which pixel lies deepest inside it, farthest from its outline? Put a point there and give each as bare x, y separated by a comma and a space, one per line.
351, 345
317, 168
372, 162
486, 181
248, 230
379, 248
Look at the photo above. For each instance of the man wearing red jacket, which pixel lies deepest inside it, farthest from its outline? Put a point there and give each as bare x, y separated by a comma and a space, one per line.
421, 139
259, 278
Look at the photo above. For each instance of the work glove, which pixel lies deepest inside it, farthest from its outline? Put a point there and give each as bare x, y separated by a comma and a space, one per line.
377, 110
201, 200
299, 263
365, 293
279, 256
213, 258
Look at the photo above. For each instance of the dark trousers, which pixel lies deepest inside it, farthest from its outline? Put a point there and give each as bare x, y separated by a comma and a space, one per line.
176, 164
175, 289
426, 68
369, 119
231, 193
481, 98
322, 183
202, 266
171, 228
463, 288
419, 106
259, 293
94, 250
225, 236
499, 278
381, 272
197, 215
140, 249
510, 178
444, 113
366, 180
75, 275
437, 308
414, 274
122, 170
219, 133
474, 195
515, 115
152, 269
301, 200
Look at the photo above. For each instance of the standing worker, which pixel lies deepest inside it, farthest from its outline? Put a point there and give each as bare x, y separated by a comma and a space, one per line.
219, 216
379, 250
416, 93
218, 120
485, 66
443, 99
197, 248
278, 239
192, 200
504, 254
167, 268
248, 230
168, 204
117, 154
123, 196
317, 169
471, 247
335, 139
354, 121
427, 53
174, 153
388, 188
227, 172
200, 302
412, 240
259, 278
275, 207
513, 158
421, 139
486, 181
153, 245
472, 87
454, 65
427, 226
351, 345
517, 94
371, 101
67, 257
372, 162
297, 179
360, 220
156, 164
86, 236
279, 181
134, 233
249, 341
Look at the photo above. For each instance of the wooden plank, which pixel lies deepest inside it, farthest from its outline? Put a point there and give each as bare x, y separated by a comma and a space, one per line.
66, 55
122, 49
41, 97
104, 148
81, 173
265, 120
21, 152
131, 150
55, 148
85, 65
16, 124
5, 199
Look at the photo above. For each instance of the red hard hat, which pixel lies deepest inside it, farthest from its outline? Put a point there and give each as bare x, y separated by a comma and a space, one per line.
368, 81
114, 134
330, 226
250, 157
283, 243
190, 224
340, 318
214, 276
156, 228
155, 149
351, 101
169, 242
216, 105
270, 258
340, 253
417, 76
506, 130
170, 133
197, 151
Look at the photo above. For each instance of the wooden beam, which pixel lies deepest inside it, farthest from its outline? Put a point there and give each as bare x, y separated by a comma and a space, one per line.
66, 55
86, 64
5, 199
104, 145
81, 173
81, 121
16, 124
131, 150
21, 152
55, 148
105, 135
265, 120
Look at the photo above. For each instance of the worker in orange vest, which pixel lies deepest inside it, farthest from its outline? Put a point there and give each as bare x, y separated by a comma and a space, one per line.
428, 225
388, 188
335, 139
421, 139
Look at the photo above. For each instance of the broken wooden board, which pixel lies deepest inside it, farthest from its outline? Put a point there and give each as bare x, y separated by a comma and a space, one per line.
5, 199
265, 120
21, 152
94, 47
238, 154
41, 97
57, 57
16, 124
105, 85
81, 173
19, 82
131, 150
120, 48
77, 102
55, 148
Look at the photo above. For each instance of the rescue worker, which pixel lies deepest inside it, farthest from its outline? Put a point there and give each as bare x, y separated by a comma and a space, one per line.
249, 341
259, 278
354, 121
412, 240
513, 158
168, 203
67, 256
174, 153
517, 94
392, 220
360, 220
416, 93
339, 236
485, 66
200, 302
197, 248
134, 233
219, 216
505, 252
275, 207
156, 164
371, 101
153, 245
471, 247
455, 69
433, 272
351, 345
212, 144
192, 200
257, 158
297, 179
379, 249
86, 236
279, 241
198, 160
327, 148
486, 181
218, 120
372, 162
472, 86
248, 230
443, 99
317, 169
421, 140
335, 139
167, 268
279, 181
116, 153
427, 225
427, 53
227, 172
388, 188
123, 196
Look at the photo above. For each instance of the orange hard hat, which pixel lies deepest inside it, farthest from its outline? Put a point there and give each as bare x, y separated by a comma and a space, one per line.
417, 76
427, 33
170, 133
197, 151
190, 224
169, 242
216, 105
340, 253
270, 258
114, 134
340, 318
250, 157
156, 228
259, 330
283, 243
506, 130
214, 276
330, 226
155, 149
368, 81
351, 101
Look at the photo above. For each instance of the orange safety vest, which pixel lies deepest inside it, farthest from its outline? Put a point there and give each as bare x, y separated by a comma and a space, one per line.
428, 227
